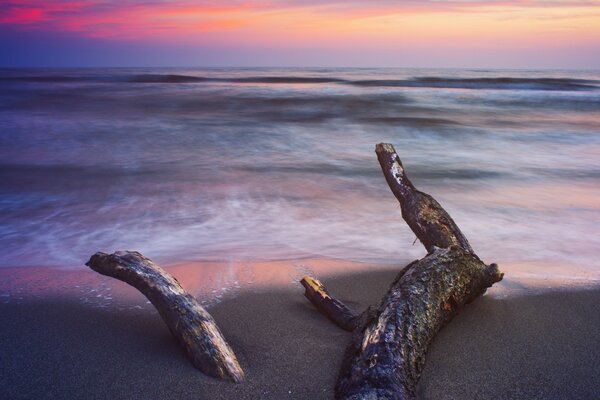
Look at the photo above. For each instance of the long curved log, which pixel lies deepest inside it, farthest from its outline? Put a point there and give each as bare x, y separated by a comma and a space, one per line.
387, 351
192, 326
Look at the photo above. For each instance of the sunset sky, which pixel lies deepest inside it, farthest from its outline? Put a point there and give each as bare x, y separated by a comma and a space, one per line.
442, 33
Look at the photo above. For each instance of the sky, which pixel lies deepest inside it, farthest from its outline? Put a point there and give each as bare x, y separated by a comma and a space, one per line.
552, 34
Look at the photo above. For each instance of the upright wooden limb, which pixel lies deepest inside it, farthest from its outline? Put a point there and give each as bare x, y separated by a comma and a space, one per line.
193, 327
423, 214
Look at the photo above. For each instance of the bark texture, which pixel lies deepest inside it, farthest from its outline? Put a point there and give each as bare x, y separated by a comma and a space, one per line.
387, 351
335, 310
193, 327
423, 214
386, 355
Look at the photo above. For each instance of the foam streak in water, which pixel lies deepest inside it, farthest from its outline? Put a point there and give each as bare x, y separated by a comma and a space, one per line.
262, 164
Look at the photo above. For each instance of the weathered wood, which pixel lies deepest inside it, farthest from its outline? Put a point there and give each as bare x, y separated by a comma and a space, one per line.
423, 214
387, 352
193, 327
388, 346
386, 355
335, 310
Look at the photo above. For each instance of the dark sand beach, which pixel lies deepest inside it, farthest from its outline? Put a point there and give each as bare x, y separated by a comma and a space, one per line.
545, 345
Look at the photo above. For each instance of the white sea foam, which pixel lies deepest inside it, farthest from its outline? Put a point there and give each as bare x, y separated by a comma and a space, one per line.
272, 164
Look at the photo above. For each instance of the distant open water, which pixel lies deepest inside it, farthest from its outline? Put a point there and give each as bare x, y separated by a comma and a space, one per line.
234, 164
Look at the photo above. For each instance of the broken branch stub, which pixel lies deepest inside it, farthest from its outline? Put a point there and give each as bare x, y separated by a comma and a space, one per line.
335, 310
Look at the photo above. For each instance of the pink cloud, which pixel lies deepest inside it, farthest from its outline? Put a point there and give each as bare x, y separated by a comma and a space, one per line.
268, 21
22, 16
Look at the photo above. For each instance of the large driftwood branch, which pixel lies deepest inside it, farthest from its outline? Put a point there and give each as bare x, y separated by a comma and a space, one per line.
387, 350
386, 355
193, 327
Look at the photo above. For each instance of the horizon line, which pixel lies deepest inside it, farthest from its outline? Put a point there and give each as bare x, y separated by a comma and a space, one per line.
591, 69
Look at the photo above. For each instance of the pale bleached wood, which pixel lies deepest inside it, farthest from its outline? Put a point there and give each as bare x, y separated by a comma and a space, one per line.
192, 326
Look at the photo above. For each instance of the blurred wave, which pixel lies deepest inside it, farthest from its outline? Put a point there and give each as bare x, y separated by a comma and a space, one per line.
503, 83
499, 83
224, 164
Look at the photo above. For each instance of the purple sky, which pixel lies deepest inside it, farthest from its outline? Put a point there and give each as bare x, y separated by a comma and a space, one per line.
475, 34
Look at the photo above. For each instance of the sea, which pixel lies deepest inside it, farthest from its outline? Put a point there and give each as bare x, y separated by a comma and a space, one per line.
225, 164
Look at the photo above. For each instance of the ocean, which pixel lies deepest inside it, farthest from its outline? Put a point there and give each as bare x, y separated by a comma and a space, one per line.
275, 164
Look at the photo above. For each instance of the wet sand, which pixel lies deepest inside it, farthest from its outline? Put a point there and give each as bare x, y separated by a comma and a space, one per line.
540, 346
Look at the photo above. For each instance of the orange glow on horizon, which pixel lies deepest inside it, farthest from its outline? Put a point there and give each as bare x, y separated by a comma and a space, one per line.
440, 26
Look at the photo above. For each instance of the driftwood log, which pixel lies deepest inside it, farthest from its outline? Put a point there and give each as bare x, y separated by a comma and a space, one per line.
193, 327
387, 351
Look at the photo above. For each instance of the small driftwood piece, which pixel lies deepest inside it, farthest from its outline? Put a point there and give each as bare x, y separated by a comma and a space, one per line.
193, 327
387, 351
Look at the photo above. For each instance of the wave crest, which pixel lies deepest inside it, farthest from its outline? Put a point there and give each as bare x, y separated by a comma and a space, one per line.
496, 83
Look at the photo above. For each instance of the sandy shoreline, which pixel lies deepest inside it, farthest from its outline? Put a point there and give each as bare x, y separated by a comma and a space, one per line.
542, 346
